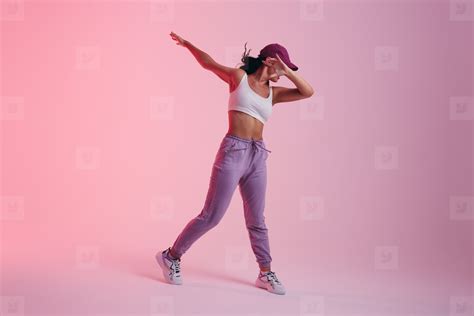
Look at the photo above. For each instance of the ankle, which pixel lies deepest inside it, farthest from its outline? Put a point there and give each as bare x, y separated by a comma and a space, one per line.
171, 255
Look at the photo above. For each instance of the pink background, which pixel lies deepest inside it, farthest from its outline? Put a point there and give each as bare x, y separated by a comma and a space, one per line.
109, 130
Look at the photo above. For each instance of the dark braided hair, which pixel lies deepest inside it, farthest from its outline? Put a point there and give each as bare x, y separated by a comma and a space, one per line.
251, 64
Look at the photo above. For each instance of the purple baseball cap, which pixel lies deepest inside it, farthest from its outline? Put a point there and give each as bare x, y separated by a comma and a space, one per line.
272, 49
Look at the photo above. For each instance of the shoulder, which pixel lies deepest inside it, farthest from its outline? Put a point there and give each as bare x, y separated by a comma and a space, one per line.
238, 74
236, 77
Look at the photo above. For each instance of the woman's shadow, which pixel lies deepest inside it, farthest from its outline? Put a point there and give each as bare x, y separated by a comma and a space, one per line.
147, 267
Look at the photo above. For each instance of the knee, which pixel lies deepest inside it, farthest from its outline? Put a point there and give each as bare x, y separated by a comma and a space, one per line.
213, 221
258, 227
209, 221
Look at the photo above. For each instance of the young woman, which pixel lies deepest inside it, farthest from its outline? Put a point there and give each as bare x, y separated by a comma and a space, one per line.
241, 158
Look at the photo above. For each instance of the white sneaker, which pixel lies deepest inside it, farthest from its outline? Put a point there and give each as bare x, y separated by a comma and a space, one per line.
269, 281
171, 267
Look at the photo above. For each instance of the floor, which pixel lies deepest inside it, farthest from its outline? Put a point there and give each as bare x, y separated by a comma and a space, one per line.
131, 283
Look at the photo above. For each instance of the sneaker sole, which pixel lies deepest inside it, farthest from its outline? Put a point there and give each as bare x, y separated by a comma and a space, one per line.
164, 269
259, 283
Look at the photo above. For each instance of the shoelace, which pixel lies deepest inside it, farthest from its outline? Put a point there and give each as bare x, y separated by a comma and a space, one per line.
175, 266
271, 276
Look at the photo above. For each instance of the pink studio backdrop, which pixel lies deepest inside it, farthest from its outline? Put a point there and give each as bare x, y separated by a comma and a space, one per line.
109, 130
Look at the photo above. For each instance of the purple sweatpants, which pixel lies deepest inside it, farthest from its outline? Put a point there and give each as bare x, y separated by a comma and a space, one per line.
239, 162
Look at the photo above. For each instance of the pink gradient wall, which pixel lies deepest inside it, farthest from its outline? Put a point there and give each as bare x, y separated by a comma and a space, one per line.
109, 131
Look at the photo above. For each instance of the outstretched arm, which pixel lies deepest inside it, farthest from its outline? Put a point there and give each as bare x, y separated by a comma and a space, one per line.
205, 60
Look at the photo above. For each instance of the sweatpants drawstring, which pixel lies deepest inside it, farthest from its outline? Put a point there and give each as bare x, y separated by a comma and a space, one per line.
255, 144
258, 145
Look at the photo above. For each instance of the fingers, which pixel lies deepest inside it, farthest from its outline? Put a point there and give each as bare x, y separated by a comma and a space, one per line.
279, 59
275, 60
177, 38
174, 35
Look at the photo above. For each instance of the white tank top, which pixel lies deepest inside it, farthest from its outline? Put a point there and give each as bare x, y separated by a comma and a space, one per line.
244, 99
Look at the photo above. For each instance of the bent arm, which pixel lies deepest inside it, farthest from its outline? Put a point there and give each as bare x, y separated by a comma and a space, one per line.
303, 90
302, 85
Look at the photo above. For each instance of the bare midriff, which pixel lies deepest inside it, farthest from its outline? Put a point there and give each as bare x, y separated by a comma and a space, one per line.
244, 126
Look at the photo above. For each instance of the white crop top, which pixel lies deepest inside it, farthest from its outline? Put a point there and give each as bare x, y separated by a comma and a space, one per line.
244, 99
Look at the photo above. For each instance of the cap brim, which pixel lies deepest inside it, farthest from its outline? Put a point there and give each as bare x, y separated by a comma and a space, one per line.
292, 66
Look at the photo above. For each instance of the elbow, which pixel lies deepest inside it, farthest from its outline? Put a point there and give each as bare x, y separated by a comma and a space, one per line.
309, 93
206, 63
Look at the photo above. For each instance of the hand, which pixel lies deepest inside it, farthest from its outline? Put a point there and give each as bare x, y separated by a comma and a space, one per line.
178, 39
281, 68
